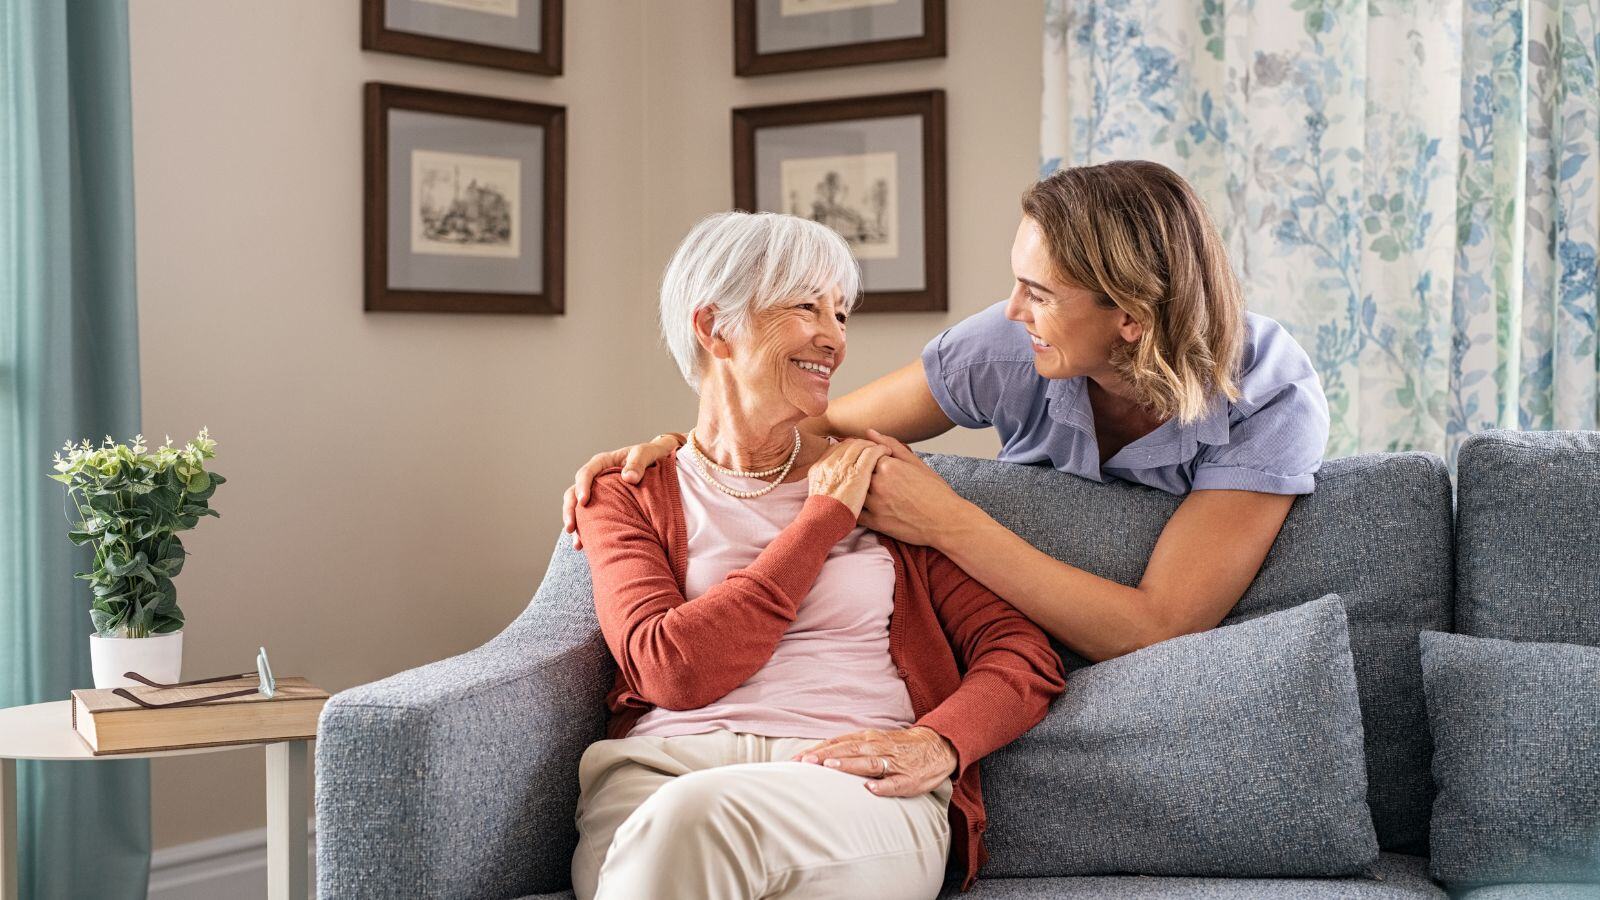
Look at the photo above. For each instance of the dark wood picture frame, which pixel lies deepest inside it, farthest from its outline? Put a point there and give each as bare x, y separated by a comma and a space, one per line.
376, 35
748, 61
929, 105
379, 99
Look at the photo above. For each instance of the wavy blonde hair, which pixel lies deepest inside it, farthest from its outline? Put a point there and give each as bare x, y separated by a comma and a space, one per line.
1137, 234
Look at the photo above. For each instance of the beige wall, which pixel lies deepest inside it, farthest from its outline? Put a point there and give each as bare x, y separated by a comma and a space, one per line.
395, 478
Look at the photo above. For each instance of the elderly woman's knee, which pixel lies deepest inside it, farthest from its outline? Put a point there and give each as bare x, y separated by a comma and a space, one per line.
696, 802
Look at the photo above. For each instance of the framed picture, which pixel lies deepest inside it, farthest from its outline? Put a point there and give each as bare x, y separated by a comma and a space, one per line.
524, 35
466, 202
790, 35
872, 169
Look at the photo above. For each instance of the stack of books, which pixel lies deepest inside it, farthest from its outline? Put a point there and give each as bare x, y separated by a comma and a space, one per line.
113, 724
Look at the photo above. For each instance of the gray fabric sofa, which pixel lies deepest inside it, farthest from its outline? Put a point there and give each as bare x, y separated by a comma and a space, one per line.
458, 779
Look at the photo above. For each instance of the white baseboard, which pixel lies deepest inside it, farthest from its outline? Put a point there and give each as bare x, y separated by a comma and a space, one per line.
233, 865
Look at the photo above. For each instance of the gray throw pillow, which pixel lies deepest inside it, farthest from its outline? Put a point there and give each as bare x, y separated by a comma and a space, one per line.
1516, 735
1233, 752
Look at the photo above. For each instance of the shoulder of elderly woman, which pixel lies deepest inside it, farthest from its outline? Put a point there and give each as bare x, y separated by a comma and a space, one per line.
609, 490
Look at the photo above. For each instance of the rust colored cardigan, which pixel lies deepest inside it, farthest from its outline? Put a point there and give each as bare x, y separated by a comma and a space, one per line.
678, 654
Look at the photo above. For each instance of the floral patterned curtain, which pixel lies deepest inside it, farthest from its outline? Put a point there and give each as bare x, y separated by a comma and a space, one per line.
1408, 185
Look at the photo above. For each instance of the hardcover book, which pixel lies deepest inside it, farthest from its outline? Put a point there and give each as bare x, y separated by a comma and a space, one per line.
110, 723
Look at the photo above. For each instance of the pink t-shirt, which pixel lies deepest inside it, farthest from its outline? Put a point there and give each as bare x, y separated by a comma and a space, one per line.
831, 673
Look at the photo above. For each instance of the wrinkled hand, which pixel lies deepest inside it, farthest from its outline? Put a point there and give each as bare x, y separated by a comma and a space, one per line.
907, 500
633, 460
844, 472
919, 759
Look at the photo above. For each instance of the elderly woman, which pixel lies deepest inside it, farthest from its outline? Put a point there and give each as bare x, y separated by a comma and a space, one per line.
800, 704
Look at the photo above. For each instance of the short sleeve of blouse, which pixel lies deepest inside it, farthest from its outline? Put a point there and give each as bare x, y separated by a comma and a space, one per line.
968, 364
1277, 446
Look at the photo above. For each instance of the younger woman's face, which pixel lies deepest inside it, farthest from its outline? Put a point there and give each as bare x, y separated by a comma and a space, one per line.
1072, 333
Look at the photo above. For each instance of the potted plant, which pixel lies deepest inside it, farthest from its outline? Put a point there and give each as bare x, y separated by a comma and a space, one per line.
131, 505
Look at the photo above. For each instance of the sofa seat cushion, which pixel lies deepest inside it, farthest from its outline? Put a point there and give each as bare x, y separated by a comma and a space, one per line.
1534, 892
1234, 752
1393, 877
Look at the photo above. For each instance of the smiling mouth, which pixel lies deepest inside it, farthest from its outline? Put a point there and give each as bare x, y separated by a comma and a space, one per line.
1037, 342
818, 369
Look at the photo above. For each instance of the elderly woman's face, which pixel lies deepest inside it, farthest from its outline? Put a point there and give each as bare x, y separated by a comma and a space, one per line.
793, 350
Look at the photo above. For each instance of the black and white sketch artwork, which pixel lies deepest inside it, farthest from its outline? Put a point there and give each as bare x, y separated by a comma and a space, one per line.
855, 195
465, 205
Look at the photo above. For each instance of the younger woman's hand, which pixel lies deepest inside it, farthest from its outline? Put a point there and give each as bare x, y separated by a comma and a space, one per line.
633, 460
907, 500
845, 471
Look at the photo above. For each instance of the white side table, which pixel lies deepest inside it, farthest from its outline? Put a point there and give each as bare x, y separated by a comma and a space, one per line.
44, 731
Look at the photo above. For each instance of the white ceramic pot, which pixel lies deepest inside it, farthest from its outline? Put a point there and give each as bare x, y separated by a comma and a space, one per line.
158, 658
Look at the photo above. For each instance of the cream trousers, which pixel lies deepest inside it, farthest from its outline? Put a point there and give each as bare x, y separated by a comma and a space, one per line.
724, 815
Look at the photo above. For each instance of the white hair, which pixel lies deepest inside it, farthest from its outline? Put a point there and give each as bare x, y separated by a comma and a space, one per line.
739, 264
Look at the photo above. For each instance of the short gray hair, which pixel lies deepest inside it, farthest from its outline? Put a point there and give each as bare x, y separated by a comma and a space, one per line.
740, 264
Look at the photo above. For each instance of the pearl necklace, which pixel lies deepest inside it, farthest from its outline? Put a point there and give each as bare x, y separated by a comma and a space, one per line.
701, 461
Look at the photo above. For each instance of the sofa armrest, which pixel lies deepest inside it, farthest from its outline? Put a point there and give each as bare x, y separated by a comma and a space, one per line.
460, 778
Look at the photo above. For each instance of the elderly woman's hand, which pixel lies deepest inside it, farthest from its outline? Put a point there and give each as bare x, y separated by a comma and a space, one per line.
909, 762
844, 472
908, 501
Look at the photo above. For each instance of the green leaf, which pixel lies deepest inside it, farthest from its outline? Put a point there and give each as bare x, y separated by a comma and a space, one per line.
104, 623
141, 620
1373, 225
199, 481
168, 622
1397, 203
119, 566
79, 538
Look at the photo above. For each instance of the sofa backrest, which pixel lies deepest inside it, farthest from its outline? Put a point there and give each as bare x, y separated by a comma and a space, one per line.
1377, 531
1528, 536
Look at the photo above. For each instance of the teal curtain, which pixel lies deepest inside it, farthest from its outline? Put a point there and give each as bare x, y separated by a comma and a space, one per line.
1412, 187
69, 369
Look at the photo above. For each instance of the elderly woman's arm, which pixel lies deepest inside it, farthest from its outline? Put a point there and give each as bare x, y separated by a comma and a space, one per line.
683, 654
1012, 674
